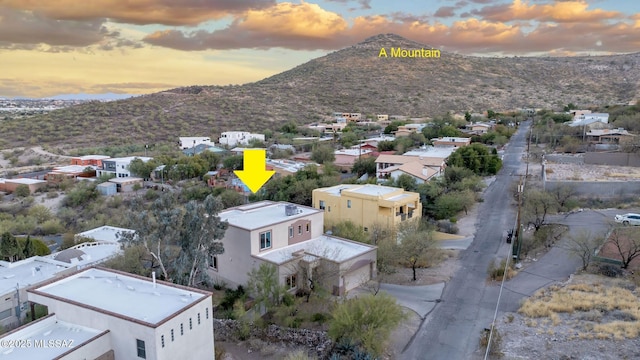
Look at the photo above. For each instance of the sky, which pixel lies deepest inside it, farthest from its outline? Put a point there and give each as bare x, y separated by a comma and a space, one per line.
57, 47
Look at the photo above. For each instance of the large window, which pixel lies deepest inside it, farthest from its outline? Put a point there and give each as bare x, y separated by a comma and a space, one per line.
142, 351
265, 240
299, 229
321, 205
290, 231
349, 204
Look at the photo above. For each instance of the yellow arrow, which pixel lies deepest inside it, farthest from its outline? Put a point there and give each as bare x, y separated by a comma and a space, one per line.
254, 173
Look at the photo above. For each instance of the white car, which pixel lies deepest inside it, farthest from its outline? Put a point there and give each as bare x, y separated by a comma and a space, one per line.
628, 219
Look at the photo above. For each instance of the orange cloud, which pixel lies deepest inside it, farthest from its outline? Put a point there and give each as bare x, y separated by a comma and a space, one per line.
300, 26
564, 11
167, 12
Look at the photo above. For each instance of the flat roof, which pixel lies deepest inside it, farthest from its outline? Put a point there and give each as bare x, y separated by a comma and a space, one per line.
91, 157
104, 233
121, 294
26, 181
262, 214
130, 158
352, 152
125, 180
28, 272
86, 254
43, 331
432, 152
326, 247
72, 168
367, 189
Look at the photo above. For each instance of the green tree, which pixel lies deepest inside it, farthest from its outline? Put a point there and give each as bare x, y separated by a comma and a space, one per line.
230, 198
393, 126
265, 287
233, 162
133, 260
416, 244
467, 116
349, 230
9, 248
322, 154
142, 169
29, 248
366, 321
477, 158
491, 114
200, 238
22, 191
407, 182
364, 165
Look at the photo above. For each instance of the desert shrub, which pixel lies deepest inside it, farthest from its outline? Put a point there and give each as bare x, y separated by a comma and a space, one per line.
220, 352
319, 317
298, 355
496, 271
447, 226
22, 191
610, 270
231, 296
591, 315
496, 340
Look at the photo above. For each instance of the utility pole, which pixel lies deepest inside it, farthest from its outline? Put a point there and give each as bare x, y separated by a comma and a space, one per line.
518, 234
18, 310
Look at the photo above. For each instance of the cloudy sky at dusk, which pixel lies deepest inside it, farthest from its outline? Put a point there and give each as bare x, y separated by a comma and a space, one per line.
140, 46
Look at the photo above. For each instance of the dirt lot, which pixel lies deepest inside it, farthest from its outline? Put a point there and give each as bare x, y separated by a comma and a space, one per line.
588, 317
591, 172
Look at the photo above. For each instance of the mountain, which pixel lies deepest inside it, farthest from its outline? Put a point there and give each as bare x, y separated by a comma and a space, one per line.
354, 79
86, 97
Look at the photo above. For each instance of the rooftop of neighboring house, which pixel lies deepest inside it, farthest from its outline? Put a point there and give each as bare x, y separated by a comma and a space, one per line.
130, 158
414, 168
121, 294
194, 138
203, 147
28, 272
25, 181
45, 330
288, 165
104, 233
601, 132
442, 152
379, 138
327, 247
86, 254
403, 159
72, 169
241, 149
352, 152
366, 189
92, 157
126, 180
264, 213
453, 139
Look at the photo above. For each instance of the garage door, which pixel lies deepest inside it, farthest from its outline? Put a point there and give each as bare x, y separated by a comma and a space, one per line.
357, 277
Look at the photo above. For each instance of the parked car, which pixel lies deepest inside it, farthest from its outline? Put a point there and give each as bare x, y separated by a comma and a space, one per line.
628, 219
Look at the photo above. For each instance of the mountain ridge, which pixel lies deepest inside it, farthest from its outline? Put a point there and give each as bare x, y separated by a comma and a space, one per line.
353, 79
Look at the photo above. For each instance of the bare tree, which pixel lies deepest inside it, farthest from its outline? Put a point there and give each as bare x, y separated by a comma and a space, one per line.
583, 245
627, 244
564, 196
537, 205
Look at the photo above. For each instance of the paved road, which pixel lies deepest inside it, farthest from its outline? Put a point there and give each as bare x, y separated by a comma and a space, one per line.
452, 330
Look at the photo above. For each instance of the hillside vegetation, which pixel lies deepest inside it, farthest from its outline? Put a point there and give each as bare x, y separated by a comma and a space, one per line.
353, 79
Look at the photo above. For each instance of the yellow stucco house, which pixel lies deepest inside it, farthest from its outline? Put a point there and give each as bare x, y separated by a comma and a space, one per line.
367, 205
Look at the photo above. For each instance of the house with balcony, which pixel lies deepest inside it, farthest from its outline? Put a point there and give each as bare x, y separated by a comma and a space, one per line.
345, 158
89, 160
367, 205
408, 129
105, 314
290, 237
118, 167
235, 138
424, 163
478, 128
608, 136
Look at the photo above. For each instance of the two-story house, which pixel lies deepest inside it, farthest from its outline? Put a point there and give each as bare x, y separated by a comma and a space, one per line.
290, 237
118, 167
105, 314
188, 142
367, 205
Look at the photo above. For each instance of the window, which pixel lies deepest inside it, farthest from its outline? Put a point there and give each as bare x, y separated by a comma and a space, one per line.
213, 262
198, 318
142, 351
190, 324
290, 231
329, 209
321, 205
366, 229
265, 240
5, 314
349, 204
162, 340
299, 229
172, 337
308, 226
206, 311
181, 329
292, 281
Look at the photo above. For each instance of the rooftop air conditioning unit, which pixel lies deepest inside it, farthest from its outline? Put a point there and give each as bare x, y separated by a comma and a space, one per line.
290, 210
